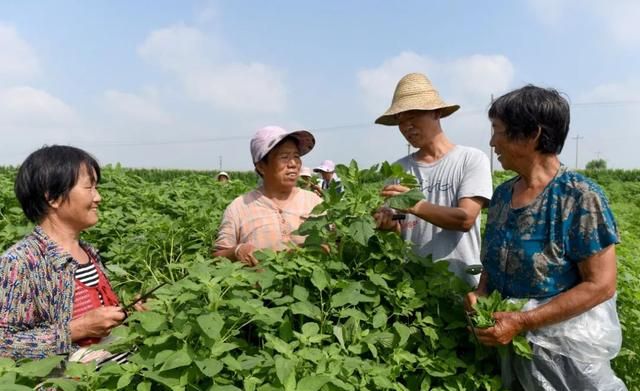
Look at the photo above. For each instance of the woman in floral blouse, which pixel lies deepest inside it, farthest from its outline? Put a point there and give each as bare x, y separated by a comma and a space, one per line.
54, 294
550, 238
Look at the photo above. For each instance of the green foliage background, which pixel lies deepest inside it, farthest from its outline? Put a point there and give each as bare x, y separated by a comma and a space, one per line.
366, 315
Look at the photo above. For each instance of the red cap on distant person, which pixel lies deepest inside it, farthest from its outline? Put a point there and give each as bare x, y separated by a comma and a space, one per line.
268, 137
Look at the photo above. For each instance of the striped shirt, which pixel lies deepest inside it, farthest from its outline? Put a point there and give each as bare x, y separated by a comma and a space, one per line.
253, 218
87, 274
86, 277
37, 280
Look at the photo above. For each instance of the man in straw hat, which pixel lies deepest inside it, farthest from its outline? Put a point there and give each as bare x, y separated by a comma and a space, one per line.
456, 180
268, 216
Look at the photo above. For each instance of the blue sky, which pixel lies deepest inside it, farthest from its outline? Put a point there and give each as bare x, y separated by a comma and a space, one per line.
183, 84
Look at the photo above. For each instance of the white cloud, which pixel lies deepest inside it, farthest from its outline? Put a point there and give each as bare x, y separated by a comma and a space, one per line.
473, 79
27, 106
618, 19
613, 92
178, 48
208, 13
197, 61
378, 84
135, 107
468, 81
621, 19
30, 118
17, 58
251, 87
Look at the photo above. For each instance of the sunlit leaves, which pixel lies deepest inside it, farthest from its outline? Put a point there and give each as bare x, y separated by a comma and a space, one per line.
405, 200
484, 309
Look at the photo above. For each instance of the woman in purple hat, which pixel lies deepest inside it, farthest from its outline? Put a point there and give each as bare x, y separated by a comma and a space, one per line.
267, 216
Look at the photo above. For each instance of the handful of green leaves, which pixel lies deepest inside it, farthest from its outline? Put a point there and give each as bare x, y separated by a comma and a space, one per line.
483, 318
406, 200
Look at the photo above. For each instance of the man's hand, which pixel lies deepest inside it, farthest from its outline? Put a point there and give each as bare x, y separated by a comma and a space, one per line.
140, 306
96, 323
508, 325
384, 220
393, 190
316, 189
244, 253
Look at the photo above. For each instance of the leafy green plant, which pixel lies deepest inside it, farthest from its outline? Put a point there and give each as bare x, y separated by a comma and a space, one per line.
405, 200
366, 315
482, 318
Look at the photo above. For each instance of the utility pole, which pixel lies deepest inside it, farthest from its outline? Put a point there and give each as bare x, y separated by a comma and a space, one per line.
490, 147
408, 149
220, 163
577, 138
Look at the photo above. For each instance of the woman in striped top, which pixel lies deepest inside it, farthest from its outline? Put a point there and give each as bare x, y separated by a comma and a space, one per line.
54, 293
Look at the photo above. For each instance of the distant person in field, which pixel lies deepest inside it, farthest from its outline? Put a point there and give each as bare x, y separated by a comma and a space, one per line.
550, 237
455, 180
222, 177
327, 171
55, 296
307, 181
268, 216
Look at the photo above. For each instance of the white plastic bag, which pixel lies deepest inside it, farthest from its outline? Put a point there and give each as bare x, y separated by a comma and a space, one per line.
591, 336
570, 355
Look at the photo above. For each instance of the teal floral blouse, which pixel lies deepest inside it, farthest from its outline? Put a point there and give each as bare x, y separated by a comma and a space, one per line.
533, 251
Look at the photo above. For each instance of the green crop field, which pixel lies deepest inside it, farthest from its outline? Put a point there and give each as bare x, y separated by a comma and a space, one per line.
366, 315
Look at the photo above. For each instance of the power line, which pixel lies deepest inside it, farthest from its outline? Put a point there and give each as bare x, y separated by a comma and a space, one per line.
473, 111
607, 103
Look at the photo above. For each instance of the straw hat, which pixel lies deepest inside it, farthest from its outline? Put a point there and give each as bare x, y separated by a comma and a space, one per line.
415, 92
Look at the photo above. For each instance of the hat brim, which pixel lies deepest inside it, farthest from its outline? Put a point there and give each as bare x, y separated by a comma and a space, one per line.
390, 118
305, 139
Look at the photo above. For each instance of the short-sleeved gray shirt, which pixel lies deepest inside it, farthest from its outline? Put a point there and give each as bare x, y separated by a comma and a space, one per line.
462, 173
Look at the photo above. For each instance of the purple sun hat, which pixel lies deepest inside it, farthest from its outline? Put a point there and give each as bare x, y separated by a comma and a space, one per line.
268, 137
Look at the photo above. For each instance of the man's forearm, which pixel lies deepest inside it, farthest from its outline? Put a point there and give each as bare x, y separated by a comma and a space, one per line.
456, 219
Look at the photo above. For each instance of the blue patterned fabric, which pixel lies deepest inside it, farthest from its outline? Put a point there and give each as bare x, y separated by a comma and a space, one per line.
533, 251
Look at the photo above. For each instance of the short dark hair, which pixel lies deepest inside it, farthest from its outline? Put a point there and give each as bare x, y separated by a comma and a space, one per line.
48, 174
530, 108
